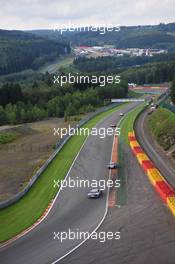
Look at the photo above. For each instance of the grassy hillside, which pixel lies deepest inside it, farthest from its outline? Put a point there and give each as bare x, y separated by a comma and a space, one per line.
158, 36
162, 125
157, 72
20, 50
7, 137
147, 39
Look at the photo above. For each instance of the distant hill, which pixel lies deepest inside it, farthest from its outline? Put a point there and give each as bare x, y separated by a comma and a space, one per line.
152, 36
22, 50
147, 39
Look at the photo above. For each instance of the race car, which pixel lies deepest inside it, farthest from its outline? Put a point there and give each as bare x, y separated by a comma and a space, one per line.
95, 193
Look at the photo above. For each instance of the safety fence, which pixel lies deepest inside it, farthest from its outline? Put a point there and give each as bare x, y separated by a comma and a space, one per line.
168, 106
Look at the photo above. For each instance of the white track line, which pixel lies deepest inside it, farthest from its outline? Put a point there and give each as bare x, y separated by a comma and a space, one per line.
53, 202
105, 214
25, 232
98, 226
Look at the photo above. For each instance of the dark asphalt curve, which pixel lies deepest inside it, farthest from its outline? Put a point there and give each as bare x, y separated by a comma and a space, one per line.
72, 209
152, 149
147, 227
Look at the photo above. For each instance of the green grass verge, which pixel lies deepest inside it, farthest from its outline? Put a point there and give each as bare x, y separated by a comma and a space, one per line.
26, 211
7, 137
127, 125
133, 94
162, 126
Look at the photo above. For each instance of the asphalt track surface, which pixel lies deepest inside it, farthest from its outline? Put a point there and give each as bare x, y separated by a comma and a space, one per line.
152, 149
146, 225
72, 209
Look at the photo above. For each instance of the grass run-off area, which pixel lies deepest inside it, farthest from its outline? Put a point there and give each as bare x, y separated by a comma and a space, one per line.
25, 212
126, 126
7, 137
162, 126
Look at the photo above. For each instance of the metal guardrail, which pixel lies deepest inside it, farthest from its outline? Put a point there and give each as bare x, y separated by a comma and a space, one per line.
168, 106
163, 97
160, 99
59, 146
163, 102
127, 100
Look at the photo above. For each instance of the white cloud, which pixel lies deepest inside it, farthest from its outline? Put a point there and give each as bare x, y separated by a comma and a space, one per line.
25, 14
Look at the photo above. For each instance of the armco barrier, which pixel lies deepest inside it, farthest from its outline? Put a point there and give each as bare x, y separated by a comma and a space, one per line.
166, 192
59, 146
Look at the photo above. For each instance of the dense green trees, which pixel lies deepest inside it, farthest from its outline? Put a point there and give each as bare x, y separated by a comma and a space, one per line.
116, 64
155, 72
3, 118
151, 73
147, 39
158, 36
10, 93
40, 100
173, 91
20, 112
20, 51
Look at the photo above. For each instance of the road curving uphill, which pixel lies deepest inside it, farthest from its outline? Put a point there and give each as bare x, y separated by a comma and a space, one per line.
71, 210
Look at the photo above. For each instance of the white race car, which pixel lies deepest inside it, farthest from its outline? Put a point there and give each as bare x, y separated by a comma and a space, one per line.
95, 193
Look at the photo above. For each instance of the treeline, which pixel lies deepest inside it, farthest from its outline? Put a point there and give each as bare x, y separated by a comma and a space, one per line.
148, 39
151, 73
10, 93
150, 36
116, 64
20, 51
173, 91
44, 99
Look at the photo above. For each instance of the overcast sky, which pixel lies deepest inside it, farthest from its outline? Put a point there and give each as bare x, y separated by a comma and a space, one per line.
36, 14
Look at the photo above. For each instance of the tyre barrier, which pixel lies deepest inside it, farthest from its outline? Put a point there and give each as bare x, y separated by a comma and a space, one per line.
162, 187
